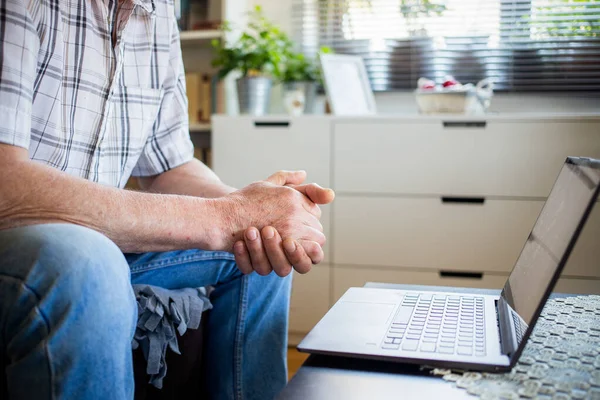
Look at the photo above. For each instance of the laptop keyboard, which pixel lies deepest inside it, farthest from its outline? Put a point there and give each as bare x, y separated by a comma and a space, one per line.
519, 328
438, 324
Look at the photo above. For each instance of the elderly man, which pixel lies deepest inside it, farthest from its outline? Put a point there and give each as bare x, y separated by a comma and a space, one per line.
91, 93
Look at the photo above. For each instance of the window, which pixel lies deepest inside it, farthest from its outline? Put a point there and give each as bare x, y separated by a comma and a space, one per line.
523, 45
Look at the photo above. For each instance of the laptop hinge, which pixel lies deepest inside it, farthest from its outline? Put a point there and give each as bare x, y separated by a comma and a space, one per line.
508, 340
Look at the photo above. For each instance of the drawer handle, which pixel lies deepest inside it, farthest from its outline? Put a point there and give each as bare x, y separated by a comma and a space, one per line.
465, 124
271, 124
461, 274
463, 200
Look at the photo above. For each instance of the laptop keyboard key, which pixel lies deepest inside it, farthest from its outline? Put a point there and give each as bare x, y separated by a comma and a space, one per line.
390, 346
403, 315
464, 351
428, 347
410, 345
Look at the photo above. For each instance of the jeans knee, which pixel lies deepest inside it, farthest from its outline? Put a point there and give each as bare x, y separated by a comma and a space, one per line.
73, 269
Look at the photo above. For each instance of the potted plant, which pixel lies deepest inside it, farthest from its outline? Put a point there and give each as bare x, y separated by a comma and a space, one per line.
413, 10
257, 56
300, 77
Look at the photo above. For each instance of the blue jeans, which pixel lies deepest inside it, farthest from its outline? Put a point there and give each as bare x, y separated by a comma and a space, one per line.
68, 314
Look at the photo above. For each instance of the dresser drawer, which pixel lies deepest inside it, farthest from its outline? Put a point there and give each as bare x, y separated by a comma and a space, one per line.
502, 158
310, 298
585, 258
578, 286
430, 233
247, 149
345, 277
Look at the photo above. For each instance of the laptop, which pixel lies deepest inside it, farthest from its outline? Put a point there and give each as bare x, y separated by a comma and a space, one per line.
463, 330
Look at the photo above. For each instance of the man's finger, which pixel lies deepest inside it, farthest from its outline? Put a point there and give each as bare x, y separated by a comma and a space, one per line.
312, 208
316, 193
274, 249
282, 178
311, 234
313, 250
313, 222
260, 262
242, 257
297, 256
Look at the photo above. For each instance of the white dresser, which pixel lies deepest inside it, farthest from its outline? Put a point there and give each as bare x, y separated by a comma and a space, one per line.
421, 200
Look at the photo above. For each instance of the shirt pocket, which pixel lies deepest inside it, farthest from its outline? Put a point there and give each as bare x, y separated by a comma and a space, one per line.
136, 111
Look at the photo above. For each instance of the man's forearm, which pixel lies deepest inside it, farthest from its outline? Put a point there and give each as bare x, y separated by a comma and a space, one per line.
31, 193
191, 179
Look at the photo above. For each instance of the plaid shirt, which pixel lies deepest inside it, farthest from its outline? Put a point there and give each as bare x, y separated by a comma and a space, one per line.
95, 88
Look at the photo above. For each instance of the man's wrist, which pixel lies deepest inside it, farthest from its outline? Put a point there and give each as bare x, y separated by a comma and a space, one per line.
225, 230
224, 190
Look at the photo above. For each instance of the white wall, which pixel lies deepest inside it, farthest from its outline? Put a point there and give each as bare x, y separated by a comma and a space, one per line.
278, 11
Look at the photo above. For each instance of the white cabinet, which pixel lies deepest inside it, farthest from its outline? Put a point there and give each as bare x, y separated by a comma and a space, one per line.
427, 200
429, 233
478, 158
345, 276
247, 149
584, 261
310, 298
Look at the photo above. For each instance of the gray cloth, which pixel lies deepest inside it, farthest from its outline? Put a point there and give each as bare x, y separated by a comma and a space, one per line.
162, 313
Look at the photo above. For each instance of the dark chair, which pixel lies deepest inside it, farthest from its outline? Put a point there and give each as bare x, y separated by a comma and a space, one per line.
185, 372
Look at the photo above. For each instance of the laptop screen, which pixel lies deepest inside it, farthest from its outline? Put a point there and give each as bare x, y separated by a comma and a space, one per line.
550, 240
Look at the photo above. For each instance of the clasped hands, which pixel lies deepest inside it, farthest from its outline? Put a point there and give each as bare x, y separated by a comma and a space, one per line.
284, 229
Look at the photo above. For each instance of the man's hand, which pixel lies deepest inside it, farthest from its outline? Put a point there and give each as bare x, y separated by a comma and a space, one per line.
287, 209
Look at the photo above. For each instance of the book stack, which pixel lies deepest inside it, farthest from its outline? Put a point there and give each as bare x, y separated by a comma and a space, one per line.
204, 155
202, 96
198, 14
199, 93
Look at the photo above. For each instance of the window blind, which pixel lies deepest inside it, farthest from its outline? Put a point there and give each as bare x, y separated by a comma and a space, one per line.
523, 45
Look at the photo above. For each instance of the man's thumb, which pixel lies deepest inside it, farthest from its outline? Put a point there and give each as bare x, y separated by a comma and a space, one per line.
316, 193
283, 178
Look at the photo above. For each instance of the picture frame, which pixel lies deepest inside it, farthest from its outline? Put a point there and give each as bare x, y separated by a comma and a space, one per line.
347, 85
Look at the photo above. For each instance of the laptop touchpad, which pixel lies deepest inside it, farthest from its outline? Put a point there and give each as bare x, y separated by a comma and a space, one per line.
363, 314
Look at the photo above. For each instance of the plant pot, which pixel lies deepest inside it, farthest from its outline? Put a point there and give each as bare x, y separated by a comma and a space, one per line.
254, 94
468, 57
299, 97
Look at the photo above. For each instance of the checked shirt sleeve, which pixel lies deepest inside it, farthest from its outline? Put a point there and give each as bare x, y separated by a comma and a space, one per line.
19, 46
169, 145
